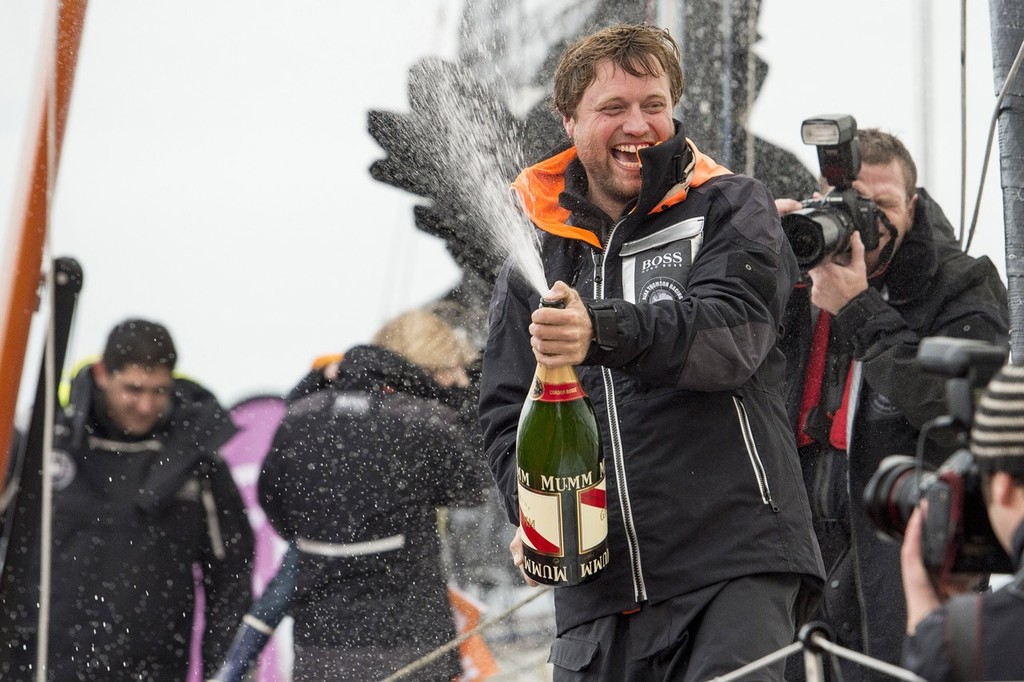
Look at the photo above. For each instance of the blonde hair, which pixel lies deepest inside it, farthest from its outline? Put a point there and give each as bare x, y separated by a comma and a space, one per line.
425, 340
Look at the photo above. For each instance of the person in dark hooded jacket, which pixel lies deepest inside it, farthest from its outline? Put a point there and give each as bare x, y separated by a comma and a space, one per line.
855, 392
141, 500
368, 451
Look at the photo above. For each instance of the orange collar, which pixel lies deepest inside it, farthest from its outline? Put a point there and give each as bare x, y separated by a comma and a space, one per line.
537, 188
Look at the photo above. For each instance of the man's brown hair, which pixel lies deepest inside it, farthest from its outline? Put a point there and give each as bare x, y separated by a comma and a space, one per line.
878, 148
139, 342
637, 49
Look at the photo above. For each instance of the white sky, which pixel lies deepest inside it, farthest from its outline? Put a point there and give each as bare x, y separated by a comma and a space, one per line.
214, 174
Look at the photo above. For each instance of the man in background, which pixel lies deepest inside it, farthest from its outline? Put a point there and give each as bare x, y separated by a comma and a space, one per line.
142, 502
976, 636
855, 391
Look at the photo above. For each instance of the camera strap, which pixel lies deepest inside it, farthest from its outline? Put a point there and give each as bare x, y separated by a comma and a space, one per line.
964, 631
886, 254
823, 410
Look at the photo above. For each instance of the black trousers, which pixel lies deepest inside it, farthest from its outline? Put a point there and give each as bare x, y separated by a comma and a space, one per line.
692, 637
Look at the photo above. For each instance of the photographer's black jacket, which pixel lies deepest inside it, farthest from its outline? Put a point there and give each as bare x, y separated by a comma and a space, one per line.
931, 288
999, 620
703, 480
132, 517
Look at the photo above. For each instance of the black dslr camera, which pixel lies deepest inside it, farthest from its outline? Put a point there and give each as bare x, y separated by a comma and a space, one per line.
957, 536
823, 226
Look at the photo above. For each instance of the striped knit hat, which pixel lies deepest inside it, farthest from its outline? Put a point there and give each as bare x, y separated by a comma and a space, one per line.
997, 437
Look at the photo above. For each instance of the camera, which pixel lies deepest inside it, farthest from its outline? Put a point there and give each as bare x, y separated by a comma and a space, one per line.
956, 536
823, 227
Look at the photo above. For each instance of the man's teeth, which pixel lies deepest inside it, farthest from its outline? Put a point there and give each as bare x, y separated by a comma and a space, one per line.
631, 148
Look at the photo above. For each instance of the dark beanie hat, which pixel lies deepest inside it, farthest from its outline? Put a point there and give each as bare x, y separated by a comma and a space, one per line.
997, 436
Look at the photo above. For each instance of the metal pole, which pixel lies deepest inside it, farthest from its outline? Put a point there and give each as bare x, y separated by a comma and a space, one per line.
23, 253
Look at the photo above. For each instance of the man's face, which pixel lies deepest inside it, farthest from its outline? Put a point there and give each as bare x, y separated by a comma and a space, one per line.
886, 186
136, 396
618, 115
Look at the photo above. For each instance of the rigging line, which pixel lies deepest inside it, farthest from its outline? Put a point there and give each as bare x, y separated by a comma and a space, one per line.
963, 120
46, 503
748, 150
925, 77
444, 648
725, 82
996, 113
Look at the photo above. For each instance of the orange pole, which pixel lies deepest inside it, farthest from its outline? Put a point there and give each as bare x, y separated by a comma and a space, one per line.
23, 252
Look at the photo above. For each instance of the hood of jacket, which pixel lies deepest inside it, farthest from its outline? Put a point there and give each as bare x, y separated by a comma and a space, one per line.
373, 368
919, 256
667, 170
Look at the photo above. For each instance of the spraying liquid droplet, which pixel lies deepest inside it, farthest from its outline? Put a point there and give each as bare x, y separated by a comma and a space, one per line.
474, 148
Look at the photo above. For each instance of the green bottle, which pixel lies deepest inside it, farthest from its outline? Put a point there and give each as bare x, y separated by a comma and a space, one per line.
562, 507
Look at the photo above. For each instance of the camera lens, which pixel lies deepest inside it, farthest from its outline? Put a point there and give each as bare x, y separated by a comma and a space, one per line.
892, 493
816, 233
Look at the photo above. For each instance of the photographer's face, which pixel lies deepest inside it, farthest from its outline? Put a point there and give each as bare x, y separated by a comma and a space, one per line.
886, 186
1004, 500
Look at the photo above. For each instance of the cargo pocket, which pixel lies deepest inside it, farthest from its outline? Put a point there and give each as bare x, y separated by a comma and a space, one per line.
573, 654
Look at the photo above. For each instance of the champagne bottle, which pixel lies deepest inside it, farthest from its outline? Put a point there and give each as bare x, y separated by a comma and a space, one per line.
562, 507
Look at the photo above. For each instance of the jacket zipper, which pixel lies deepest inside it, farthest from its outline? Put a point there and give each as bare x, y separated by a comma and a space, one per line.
755, 458
618, 461
212, 522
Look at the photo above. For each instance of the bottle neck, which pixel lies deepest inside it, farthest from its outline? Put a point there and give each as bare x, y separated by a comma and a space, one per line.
557, 375
556, 384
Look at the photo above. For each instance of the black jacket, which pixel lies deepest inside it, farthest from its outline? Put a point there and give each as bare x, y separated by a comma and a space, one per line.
931, 288
132, 516
703, 480
997, 619
368, 459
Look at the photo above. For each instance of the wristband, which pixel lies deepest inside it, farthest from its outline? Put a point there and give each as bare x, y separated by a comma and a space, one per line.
603, 318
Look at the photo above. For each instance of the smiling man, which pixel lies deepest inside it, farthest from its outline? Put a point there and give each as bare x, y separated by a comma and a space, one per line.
675, 274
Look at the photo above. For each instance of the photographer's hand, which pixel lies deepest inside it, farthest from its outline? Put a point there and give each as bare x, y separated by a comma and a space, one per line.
921, 597
784, 206
835, 284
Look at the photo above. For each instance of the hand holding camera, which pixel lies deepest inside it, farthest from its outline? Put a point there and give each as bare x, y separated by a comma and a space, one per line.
956, 536
921, 595
831, 234
837, 282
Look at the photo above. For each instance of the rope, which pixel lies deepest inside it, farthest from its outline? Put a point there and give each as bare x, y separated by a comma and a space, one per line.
751, 94
445, 648
963, 119
997, 111
46, 504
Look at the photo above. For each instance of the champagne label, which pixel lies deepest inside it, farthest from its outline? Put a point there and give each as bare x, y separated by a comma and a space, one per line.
556, 393
593, 517
541, 518
565, 527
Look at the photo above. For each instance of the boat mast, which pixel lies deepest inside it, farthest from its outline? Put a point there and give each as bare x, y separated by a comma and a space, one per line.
23, 253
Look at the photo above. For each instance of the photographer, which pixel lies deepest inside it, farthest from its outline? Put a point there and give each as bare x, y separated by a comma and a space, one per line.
854, 393
975, 636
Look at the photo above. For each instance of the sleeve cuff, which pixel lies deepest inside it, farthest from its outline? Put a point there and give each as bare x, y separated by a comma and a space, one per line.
605, 323
855, 315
